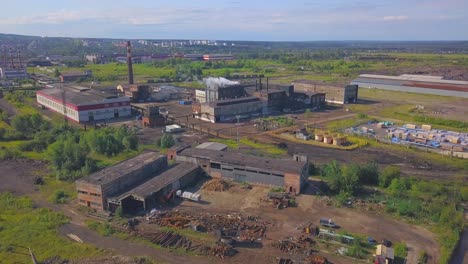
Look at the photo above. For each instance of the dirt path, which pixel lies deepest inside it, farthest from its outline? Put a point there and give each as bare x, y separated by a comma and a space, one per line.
122, 247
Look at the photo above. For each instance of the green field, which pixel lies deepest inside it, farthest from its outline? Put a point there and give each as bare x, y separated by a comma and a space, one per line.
23, 226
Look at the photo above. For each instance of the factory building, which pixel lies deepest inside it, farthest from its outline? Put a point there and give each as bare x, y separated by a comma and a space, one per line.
414, 83
95, 189
83, 104
290, 174
157, 189
228, 110
13, 73
75, 76
217, 57
333, 94
136, 184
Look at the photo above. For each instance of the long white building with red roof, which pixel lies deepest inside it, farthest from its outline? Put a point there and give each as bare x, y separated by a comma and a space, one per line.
84, 104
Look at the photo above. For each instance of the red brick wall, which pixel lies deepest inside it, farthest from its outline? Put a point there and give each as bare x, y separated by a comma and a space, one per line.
292, 182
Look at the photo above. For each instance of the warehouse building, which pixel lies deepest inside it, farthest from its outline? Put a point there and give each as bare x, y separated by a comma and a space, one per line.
95, 189
414, 83
13, 73
157, 189
136, 184
75, 76
290, 174
83, 104
228, 110
333, 94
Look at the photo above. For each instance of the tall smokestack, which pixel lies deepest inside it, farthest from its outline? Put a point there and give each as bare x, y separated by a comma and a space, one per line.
129, 62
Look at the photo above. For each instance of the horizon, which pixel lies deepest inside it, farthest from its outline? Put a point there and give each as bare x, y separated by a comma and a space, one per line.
295, 21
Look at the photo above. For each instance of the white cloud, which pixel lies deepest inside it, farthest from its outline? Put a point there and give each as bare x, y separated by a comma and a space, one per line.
395, 18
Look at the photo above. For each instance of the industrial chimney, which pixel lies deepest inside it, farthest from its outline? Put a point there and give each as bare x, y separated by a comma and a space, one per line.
129, 62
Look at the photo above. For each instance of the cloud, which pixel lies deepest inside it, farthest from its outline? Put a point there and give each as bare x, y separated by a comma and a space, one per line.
395, 18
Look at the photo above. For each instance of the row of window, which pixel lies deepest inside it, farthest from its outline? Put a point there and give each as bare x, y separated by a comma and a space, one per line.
57, 106
90, 193
218, 166
91, 203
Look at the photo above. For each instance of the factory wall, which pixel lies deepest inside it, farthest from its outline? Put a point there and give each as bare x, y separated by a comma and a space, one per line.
333, 94
409, 89
111, 108
90, 195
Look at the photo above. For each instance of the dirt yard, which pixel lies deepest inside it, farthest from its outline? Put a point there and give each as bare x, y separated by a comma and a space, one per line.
286, 222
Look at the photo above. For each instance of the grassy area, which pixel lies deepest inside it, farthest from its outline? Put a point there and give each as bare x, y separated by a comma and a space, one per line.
104, 160
269, 149
22, 225
430, 156
339, 124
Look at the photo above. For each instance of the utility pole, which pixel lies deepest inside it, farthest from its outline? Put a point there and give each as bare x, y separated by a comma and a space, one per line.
237, 116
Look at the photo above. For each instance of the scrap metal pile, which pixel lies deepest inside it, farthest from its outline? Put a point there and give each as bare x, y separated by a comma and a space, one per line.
234, 225
299, 246
279, 200
169, 239
216, 185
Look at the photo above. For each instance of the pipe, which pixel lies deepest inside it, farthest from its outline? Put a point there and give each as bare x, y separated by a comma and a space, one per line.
129, 62
267, 84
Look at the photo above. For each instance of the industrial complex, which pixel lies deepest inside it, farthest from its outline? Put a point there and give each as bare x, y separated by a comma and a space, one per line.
141, 182
334, 94
424, 84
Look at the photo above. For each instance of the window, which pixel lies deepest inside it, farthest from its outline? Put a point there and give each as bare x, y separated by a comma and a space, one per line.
82, 201
239, 169
83, 192
95, 194
226, 169
251, 171
215, 165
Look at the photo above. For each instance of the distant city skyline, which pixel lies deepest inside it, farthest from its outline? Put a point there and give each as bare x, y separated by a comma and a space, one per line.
274, 20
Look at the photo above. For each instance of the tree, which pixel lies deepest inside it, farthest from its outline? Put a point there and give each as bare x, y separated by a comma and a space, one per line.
387, 176
167, 141
369, 174
57, 73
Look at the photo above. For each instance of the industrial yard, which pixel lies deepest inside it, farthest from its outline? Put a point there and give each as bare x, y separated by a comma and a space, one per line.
296, 157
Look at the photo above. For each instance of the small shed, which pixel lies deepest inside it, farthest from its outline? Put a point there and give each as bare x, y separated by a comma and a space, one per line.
327, 139
173, 129
385, 252
319, 137
338, 141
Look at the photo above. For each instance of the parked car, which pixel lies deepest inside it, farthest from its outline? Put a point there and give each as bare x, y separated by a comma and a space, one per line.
328, 223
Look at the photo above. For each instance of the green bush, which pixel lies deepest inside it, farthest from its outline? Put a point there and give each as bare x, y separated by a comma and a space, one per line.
400, 250
167, 141
277, 189
387, 175
59, 197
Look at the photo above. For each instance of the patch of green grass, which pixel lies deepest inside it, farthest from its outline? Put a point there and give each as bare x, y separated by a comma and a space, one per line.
339, 124
231, 143
104, 229
51, 184
104, 160
262, 147
24, 226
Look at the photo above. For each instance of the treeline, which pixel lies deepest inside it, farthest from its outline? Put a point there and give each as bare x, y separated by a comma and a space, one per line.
420, 200
69, 149
70, 153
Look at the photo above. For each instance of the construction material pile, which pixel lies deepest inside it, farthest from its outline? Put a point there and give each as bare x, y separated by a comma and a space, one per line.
168, 239
173, 220
287, 245
248, 228
315, 259
285, 261
216, 185
279, 200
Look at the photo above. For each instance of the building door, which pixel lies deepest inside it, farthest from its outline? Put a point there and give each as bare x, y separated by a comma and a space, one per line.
90, 116
88, 203
116, 113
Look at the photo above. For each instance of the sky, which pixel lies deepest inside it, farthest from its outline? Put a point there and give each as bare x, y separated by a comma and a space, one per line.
268, 20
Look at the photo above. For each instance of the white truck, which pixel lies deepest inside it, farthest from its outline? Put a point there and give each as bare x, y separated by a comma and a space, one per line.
328, 223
